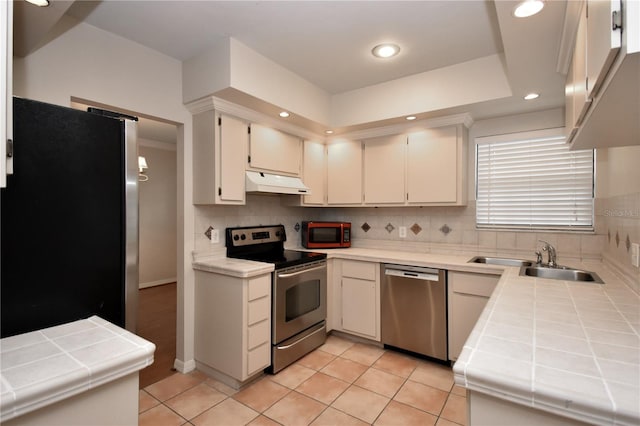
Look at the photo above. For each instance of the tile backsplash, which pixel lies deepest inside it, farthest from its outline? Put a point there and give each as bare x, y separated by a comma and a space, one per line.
428, 229
621, 226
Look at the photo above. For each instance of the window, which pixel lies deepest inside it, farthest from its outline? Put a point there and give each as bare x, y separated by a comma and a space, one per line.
533, 181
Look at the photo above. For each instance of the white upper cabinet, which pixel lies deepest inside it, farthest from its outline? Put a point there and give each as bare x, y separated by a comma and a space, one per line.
580, 100
435, 166
603, 40
274, 151
608, 43
219, 156
384, 169
314, 172
427, 167
344, 172
6, 92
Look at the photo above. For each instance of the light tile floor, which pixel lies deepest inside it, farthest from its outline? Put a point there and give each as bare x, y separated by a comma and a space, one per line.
340, 383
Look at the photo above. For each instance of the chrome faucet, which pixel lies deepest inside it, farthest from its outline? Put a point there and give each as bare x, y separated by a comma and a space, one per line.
551, 251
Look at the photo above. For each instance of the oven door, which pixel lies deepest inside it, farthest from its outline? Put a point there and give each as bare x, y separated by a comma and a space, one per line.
299, 299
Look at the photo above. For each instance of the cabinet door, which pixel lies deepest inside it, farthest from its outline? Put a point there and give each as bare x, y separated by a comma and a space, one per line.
313, 172
384, 169
6, 92
468, 295
344, 172
603, 42
579, 62
233, 142
273, 150
432, 166
359, 306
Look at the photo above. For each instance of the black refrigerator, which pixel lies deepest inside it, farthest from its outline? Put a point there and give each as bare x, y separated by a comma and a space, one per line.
69, 219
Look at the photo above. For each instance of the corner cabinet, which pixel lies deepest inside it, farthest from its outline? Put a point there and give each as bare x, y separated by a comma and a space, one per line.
274, 151
468, 294
6, 91
356, 297
219, 158
314, 169
232, 326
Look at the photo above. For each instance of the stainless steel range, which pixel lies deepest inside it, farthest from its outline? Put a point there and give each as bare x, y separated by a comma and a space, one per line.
299, 290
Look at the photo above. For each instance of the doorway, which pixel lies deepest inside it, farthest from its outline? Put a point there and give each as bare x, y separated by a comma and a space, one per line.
157, 261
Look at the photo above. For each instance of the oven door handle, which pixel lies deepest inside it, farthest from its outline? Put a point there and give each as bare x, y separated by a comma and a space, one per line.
302, 271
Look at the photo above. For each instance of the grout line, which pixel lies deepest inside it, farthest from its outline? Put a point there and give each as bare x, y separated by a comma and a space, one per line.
350, 384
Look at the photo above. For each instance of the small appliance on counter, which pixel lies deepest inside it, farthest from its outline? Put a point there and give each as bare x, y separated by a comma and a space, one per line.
322, 235
298, 290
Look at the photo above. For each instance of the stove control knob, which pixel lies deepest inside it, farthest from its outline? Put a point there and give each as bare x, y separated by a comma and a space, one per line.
277, 233
236, 237
243, 237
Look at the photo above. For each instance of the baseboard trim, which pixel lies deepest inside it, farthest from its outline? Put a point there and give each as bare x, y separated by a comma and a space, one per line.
184, 367
158, 282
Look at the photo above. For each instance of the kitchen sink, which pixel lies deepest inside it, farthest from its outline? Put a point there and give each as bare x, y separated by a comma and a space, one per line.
562, 273
504, 261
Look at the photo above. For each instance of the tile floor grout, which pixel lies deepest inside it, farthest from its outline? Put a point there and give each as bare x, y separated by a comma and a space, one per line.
291, 390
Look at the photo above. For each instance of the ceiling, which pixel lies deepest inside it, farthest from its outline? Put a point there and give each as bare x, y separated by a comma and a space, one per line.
328, 43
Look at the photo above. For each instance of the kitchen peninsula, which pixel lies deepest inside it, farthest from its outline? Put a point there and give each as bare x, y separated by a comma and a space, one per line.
80, 373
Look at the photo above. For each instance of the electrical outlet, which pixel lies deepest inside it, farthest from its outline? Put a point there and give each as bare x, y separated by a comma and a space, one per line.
215, 236
635, 255
402, 231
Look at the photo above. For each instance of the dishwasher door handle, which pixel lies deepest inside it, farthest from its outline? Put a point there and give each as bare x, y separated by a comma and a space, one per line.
413, 275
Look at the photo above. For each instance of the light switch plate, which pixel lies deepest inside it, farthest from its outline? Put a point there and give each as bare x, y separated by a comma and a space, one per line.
402, 231
635, 254
215, 236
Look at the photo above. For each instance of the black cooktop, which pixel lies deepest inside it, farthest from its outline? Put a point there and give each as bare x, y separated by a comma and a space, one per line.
266, 244
284, 258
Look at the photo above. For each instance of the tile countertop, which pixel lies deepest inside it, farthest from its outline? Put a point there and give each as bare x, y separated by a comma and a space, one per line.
47, 366
567, 348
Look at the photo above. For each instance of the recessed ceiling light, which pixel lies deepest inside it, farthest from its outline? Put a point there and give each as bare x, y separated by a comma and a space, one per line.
41, 3
411, 117
284, 114
528, 8
329, 132
531, 96
385, 50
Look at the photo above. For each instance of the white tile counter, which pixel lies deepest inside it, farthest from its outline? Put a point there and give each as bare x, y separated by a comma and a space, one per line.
238, 268
567, 348
572, 349
44, 367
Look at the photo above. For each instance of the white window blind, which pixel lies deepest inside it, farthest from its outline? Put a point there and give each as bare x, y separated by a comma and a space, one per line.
533, 181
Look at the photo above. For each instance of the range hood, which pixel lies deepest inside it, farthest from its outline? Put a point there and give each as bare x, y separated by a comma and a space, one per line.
275, 184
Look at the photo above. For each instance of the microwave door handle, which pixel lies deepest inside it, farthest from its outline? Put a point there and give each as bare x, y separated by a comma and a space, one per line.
302, 271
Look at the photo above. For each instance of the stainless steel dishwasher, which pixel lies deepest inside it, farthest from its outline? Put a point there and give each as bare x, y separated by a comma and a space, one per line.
414, 309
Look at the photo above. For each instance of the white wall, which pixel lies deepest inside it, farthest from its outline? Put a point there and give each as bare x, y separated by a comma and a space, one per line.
92, 64
157, 261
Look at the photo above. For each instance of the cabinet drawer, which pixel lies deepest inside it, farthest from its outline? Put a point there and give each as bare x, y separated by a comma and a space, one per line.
361, 270
259, 310
258, 358
259, 287
259, 333
477, 284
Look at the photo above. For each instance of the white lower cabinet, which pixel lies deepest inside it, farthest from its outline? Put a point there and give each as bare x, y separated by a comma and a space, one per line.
357, 298
232, 326
468, 294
